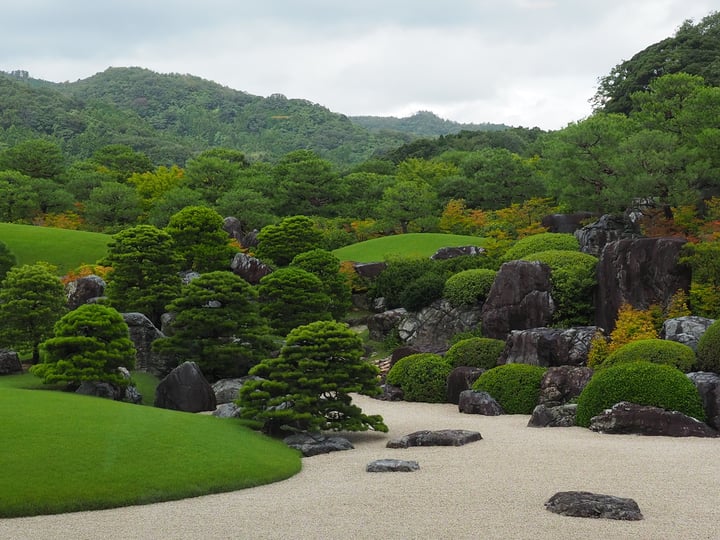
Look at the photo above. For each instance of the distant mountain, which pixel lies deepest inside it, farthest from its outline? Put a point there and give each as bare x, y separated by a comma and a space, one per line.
421, 124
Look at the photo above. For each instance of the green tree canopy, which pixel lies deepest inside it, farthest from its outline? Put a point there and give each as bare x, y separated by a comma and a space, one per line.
308, 386
326, 267
7, 260
90, 343
307, 184
200, 239
112, 206
37, 158
282, 242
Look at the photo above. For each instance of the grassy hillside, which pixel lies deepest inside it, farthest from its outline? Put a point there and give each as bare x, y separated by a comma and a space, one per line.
62, 248
64, 453
403, 245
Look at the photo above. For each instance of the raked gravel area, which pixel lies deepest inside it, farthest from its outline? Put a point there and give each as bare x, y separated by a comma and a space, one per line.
493, 488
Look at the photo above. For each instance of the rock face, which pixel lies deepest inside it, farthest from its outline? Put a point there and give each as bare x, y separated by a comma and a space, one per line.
472, 402
227, 410
708, 385
452, 252
518, 299
639, 272
313, 444
249, 268
9, 362
443, 437
99, 389
392, 465
142, 333
686, 330
381, 324
563, 383
389, 392
369, 270
461, 379
627, 417
592, 505
595, 236
185, 389
226, 390
559, 416
431, 328
549, 346
84, 290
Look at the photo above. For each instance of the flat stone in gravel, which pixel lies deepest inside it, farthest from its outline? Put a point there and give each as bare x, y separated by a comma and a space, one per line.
313, 444
442, 437
392, 465
593, 505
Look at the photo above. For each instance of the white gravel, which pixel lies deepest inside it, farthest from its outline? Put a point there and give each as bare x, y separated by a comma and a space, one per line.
494, 488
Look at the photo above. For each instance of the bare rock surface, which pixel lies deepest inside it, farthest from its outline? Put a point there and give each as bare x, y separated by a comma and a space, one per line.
392, 465
472, 402
558, 416
625, 417
593, 505
313, 444
442, 437
549, 346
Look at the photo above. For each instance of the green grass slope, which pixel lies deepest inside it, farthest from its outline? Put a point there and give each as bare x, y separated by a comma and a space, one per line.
63, 248
64, 453
403, 245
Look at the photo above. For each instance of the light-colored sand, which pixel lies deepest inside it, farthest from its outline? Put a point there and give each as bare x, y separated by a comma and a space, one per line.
494, 488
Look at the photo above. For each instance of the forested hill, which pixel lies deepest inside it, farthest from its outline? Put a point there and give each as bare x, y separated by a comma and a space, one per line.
171, 117
422, 123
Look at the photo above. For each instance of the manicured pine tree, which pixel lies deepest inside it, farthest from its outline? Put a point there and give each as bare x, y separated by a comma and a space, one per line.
326, 267
200, 239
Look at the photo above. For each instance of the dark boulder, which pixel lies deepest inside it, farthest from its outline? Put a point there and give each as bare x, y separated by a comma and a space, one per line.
562, 384
233, 226
392, 465
558, 416
369, 270
9, 362
84, 290
520, 298
472, 402
227, 390
708, 385
452, 252
642, 273
227, 410
593, 505
549, 346
249, 268
431, 328
461, 379
388, 392
594, 237
381, 324
313, 444
686, 330
565, 223
625, 417
142, 333
443, 437
100, 389
185, 389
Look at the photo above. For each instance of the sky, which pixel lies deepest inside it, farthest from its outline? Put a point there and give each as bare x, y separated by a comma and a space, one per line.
516, 62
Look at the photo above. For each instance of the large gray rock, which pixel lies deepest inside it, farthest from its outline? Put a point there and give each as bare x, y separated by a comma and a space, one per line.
641, 272
431, 328
686, 330
9, 362
100, 389
594, 237
562, 384
565, 223
185, 389
313, 444
461, 379
227, 410
142, 333
84, 290
369, 270
593, 505
227, 390
559, 416
443, 437
625, 417
381, 324
459, 251
549, 346
472, 402
520, 298
708, 385
392, 465
249, 268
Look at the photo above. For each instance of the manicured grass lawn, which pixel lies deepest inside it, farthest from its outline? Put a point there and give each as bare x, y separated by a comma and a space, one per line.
63, 248
62, 453
403, 245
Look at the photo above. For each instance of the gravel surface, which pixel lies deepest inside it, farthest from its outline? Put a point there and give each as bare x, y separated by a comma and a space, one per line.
493, 488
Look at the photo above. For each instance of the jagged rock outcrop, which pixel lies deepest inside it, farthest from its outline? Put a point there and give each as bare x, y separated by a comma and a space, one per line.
549, 346
565, 223
313, 444
686, 330
708, 385
608, 228
461, 379
558, 416
472, 402
459, 251
249, 268
84, 290
562, 384
593, 505
442, 437
142, 333
185, 389
641, 272
431, 328
369, 270
9, 362
625, 417
381, 324
520, 298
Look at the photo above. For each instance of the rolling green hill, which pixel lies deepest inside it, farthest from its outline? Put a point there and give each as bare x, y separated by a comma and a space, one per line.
403, 245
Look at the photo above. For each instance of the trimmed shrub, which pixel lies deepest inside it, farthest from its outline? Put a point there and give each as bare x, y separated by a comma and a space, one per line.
541, 242
475, 352
392, 281
469, 286
426, 379
643, 383
398, 373
657, 351
422, 292
516, 387
708, 350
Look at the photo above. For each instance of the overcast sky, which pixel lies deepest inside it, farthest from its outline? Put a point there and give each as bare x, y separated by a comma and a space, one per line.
519, 62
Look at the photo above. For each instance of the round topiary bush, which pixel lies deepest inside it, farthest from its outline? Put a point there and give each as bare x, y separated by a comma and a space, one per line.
657, 351
426, 379
642, 383
516, 387
398, 373
469, 286
475, 352
708, 350
541, 242
422, 292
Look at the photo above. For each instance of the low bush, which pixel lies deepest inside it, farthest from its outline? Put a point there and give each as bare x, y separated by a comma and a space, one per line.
643, 383
657, 351
422, 377
469, 286
516, 387
475, 352
422, 292
541, 242
398, 373
708, 350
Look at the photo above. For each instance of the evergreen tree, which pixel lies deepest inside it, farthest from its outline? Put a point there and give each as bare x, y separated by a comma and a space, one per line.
308, 386
293, 235
200, 239
90, 344
7, 260
326, 267
31, 300
217, 324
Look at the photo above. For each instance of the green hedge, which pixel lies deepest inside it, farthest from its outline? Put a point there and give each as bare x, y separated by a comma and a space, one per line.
516, 387
643, 383
475, 352
541, 242
469, 286
708, 350
422, 377
657, 351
